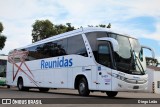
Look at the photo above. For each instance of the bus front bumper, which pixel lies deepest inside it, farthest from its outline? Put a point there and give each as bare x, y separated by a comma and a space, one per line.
124, 86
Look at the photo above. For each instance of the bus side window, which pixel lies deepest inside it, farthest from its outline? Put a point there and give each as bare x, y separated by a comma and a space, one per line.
76, 46
104, 57
62, 47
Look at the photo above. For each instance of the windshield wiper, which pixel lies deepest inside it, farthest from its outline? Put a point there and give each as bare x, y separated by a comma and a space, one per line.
140, 67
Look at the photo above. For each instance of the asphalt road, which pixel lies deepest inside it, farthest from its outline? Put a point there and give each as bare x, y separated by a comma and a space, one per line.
70, 98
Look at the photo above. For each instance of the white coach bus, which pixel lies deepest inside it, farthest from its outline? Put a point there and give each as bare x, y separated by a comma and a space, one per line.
87, 59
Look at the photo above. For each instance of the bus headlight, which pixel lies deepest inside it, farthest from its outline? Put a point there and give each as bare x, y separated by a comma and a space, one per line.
119, 77
133, 81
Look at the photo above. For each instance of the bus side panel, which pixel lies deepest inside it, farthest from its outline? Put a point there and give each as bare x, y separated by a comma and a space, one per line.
48, 78
60, 77
70, 78
94, 85
35, 75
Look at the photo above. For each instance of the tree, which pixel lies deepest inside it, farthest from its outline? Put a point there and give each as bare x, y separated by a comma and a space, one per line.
69, 27
44, 28
109, 25
2, 37
101, 25
151, 61
63, 28
1, 27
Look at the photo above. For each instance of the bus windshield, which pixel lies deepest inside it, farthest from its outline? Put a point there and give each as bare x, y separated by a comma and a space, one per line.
124, 47
125, 59
3, 64
135, 45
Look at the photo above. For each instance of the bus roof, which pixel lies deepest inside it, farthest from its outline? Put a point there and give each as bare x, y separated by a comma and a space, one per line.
72, 33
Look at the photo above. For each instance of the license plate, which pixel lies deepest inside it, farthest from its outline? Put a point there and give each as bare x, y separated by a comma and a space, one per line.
136, 87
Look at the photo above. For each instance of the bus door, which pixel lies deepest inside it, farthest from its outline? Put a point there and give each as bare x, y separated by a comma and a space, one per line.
104, 70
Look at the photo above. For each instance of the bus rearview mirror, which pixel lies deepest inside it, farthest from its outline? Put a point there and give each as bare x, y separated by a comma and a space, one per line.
113, 42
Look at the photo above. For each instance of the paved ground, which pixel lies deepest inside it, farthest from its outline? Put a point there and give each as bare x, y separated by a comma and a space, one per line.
95, 99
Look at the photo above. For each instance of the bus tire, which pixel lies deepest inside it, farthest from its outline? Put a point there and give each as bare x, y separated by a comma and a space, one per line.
8, 86
83, 87
20, 84
26, 89
43, 89
111, 93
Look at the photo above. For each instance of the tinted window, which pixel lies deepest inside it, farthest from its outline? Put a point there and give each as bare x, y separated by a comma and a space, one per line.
72, 45
52, 49
92, 38
62, 47
76, 46
3, 64
33, 53
112, 35
104, 57
47, 50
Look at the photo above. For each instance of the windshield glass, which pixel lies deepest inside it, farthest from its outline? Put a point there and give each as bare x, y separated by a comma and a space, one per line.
3, 64
124, 59
124, 47
135, 45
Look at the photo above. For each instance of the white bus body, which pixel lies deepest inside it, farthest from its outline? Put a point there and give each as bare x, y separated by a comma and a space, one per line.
89, 59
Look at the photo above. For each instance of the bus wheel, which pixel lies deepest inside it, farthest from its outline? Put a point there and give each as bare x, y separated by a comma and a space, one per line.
111, 93
83, 87
43, 89
20, 84
8, 86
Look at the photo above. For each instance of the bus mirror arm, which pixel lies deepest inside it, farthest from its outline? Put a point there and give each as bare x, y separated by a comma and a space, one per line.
113, 42
149, 48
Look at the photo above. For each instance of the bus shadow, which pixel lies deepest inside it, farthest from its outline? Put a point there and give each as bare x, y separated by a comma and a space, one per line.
74, 94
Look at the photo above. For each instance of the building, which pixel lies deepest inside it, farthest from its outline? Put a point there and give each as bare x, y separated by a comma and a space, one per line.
153, 79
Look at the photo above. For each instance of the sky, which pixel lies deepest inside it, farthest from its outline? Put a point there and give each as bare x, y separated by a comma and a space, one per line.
138, 18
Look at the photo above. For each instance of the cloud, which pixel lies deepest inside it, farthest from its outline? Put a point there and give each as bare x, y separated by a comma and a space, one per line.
146, 7
110, 10
155, 35
18, 35
17, 10
18, 16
